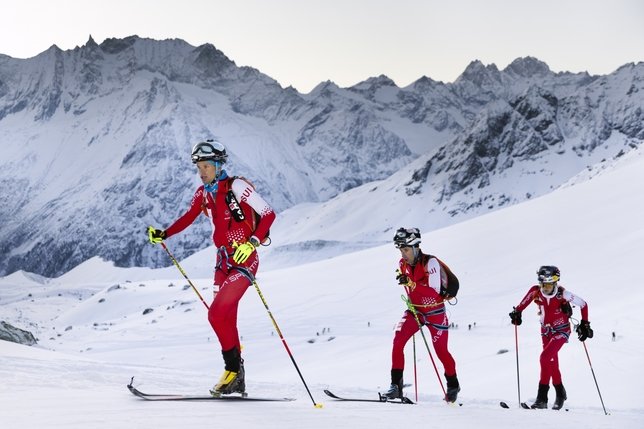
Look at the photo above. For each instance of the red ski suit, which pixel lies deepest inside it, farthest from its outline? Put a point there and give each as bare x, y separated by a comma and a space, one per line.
428, 275
230, 283
555, 327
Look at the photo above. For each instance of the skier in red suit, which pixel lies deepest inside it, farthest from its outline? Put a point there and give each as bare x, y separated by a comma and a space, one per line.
231, 205
428, 283
555, 312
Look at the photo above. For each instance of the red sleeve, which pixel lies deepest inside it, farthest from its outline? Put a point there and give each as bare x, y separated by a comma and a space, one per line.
189, 216
528, 298
265, 222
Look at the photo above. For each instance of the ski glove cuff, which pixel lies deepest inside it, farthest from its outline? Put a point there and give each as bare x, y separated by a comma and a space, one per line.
242, 252
155, 236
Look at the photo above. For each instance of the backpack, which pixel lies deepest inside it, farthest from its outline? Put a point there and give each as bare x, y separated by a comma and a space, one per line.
452, 280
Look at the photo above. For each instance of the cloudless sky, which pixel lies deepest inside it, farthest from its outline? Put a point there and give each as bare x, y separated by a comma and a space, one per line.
303, 42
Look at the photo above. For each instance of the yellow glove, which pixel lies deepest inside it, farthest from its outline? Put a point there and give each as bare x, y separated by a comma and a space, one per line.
242, 251
155, 236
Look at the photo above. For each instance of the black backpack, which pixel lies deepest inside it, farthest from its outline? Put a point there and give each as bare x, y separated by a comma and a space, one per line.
452, 280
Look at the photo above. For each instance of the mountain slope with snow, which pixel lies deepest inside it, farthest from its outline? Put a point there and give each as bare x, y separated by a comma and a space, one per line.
338, 316
96, 141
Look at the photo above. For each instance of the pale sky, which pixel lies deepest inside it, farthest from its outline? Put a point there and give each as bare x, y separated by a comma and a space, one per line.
302, 42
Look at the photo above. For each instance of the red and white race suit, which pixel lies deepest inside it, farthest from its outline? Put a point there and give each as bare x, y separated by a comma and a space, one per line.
230, 284
555, 326
428, 276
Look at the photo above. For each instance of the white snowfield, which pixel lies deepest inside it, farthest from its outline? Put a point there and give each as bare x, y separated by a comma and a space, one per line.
337, 315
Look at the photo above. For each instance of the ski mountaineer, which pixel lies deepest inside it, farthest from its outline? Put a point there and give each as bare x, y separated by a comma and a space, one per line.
555, 312
428, 284
230, 204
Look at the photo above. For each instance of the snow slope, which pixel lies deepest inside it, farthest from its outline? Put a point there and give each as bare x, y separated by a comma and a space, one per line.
337, 315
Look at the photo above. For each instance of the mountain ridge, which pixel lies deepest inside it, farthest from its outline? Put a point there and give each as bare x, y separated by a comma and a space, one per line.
96, 141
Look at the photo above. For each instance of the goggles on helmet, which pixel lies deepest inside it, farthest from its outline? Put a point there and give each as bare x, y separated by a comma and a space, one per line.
407, 237
209, 150
548, 274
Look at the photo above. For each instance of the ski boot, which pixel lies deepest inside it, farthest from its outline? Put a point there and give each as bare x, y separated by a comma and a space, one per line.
396, 388
542, 397
452, 388
394, 392
233, 378
561, 397
230, 382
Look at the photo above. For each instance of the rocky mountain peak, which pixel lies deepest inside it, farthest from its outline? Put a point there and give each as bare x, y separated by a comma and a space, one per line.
114, 45
480, 75
528, 67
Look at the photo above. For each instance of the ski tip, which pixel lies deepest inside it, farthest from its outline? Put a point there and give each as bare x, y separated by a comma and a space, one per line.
504, 405
525, 406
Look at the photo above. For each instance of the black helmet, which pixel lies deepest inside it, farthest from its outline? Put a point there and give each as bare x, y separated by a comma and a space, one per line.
210, 150
407, 237
548, 274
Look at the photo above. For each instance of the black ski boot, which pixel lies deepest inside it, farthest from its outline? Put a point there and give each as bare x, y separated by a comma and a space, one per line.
396, 389
452, 388
233, 378
561, 397
542, 397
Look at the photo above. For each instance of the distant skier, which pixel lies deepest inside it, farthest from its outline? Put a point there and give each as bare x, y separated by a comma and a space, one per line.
232, 205
555, 312
428, 283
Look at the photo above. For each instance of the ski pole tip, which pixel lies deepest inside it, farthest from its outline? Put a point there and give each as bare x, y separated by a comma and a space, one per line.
319, 405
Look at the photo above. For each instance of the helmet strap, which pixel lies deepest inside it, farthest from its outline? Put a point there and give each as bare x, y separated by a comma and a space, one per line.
416, 250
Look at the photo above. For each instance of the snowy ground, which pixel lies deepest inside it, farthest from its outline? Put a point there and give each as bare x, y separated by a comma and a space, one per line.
337, 316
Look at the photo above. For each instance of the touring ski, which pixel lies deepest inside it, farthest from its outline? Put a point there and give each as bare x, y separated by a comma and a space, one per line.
381, 398
523, 405
182, 397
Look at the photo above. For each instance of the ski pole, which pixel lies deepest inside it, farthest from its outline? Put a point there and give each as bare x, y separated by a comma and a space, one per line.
176, 264
413, 340
516, 346
595, 378
251, 277
411, 308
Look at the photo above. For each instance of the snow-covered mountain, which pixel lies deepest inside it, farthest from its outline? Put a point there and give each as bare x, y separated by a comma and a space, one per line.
96, 140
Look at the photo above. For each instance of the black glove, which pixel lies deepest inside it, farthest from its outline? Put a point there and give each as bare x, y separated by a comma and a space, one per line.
402, 278
515, 317
584, 331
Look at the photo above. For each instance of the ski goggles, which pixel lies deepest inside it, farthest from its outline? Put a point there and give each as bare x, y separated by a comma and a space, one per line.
208, 151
